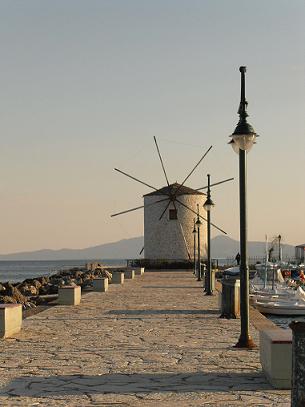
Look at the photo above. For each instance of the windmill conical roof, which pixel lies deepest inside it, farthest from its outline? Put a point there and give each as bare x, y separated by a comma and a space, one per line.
171, 189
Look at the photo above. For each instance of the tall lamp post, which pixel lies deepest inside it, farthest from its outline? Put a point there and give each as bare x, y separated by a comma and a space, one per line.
194, 234
198, 224
243, 138
280, 249
208, 205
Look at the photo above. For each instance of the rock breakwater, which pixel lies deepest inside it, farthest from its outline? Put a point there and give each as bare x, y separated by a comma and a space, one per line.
41, 290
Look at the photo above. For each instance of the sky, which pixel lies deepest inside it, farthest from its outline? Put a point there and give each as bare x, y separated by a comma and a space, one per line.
86, 85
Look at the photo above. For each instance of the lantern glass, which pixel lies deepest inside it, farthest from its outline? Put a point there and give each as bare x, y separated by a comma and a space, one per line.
234, 146
244, 141
208, 205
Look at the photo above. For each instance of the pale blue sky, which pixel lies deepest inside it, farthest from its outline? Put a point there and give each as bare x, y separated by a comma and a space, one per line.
85, 85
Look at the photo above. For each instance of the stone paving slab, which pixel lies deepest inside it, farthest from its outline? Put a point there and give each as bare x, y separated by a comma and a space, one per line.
154, 341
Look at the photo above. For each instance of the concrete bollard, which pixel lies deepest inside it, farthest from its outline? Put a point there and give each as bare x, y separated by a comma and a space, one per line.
117, 277
10, 319
275, 356
230, 298
140, 271
298, 364
100, 284
69, 295
129, 274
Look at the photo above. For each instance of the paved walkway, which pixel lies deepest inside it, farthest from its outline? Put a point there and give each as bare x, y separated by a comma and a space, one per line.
155, 341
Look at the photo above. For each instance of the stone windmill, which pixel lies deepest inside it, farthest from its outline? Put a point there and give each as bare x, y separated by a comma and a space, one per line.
169, 218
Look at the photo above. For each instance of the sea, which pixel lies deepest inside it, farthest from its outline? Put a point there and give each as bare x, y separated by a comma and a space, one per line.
17, 271
283, 321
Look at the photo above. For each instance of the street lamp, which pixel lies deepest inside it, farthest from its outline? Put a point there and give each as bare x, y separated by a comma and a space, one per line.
208, 205
194, 234
242, 141
198, 224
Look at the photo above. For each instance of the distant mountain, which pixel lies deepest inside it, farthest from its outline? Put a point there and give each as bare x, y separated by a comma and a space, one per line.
123, 249
222, 247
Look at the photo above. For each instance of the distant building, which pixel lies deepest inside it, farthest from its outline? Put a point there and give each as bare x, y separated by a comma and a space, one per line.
299, 252
170, 238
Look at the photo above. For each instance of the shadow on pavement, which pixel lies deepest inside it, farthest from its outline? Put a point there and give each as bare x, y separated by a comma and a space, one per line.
41, 386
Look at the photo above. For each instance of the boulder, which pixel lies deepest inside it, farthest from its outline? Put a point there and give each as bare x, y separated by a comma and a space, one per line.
6, 299
87, 282
79, 281
36, 283
43, 280
13, 292
28, 290
49, 289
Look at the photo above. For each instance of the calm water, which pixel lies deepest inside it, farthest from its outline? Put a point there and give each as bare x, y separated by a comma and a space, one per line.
15, 271
283, 321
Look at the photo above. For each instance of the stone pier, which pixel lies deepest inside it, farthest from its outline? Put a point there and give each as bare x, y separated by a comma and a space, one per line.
157, 341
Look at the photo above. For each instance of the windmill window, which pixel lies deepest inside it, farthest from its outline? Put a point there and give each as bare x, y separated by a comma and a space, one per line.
173, 214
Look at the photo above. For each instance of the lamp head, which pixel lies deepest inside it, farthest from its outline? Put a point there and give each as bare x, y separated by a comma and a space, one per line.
244, 135
209, 204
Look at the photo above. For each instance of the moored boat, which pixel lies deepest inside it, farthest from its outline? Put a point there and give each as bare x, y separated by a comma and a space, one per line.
281, 307
291, 304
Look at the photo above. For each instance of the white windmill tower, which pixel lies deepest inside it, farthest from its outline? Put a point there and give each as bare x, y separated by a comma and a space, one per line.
169, 237
169, 219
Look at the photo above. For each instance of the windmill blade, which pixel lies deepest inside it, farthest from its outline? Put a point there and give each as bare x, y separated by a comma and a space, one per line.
165, 209
183, 235
141, 251
193, 170
128, 210
216, 227
135, 179
216, 183
138, 207
159, 154
185, 242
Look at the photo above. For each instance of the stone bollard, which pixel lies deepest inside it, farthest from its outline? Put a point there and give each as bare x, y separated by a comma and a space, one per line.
213, 276
275, 356
129, 274
298, 364
100, 284
69, 295
140, 271
230, 298
117, 277
10, 319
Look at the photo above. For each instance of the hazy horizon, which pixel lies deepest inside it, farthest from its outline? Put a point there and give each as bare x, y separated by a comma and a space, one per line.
133, 238
86, 85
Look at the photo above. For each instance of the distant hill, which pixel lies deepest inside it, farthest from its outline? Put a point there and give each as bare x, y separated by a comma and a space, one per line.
123, 249
222, 247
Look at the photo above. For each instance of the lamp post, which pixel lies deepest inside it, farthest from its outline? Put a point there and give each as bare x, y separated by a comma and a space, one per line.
208, 205
198, 224
242, 140
194, 234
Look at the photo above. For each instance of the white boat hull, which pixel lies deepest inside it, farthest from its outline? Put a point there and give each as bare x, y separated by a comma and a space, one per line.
281, 308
